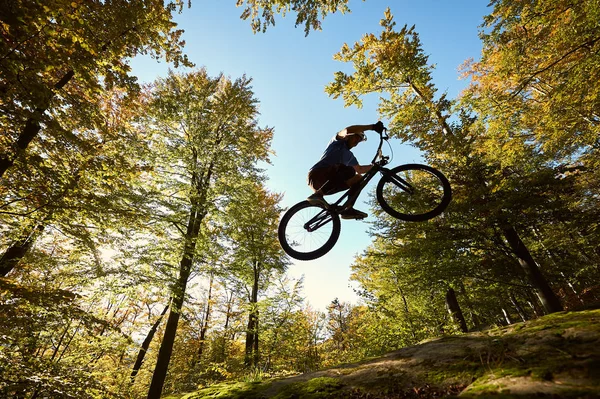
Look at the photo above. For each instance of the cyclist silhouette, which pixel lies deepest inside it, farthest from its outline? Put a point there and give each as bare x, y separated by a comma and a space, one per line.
338, 169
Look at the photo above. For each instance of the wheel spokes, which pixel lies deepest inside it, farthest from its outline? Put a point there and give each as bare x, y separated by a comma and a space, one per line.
309, 229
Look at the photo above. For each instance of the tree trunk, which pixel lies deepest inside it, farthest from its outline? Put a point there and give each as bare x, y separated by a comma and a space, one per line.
518, 307
32, 126
255, 352
455, 311
18, 250
185, 268
549, 300
146, 345
474, 316
251, 356
206, 320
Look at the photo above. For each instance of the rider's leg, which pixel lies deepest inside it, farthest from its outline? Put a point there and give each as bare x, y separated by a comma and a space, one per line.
354, 184
326, 181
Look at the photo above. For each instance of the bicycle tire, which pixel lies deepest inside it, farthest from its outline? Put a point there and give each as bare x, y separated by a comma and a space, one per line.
436, 193
292, 225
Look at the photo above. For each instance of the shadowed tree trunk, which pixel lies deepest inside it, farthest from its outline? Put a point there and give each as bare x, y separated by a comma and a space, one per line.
185, 269
32, 126
517, 306
146, 345
251, 357
455, 311
18, 249
549, 300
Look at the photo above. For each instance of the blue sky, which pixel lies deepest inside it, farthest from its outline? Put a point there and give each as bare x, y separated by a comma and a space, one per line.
289, 74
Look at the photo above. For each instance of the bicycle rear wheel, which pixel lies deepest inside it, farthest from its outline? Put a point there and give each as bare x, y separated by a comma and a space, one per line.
307, 232
414, 192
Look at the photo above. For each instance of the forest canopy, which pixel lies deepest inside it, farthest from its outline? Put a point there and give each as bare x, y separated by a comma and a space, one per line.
138, 238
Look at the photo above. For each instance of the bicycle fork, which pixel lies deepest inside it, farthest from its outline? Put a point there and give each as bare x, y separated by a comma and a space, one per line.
398, 181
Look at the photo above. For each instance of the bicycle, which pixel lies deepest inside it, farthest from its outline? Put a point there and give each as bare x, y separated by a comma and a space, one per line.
410, 192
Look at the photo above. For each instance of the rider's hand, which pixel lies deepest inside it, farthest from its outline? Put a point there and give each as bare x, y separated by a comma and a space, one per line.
378, 127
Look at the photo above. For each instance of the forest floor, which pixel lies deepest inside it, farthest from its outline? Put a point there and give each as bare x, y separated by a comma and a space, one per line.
556, 356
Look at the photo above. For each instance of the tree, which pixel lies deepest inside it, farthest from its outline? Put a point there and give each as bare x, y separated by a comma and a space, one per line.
539, 68
253, 217
81, 188
338, 314
57, 57
536, 84
395, 64
205, 131
278, 324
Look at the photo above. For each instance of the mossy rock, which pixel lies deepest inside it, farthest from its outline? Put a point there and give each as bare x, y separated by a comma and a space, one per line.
235, 390
554, 356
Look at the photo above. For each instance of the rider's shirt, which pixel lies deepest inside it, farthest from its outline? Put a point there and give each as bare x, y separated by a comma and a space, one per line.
336, 152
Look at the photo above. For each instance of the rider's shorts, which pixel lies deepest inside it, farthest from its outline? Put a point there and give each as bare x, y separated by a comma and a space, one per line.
331, 179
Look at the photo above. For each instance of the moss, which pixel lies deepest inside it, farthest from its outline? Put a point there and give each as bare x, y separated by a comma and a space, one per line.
316, 388
460, 371
238, 390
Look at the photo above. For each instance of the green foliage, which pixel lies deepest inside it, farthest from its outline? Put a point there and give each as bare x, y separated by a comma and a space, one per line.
262, 12
539, 70
52, 346
59, 57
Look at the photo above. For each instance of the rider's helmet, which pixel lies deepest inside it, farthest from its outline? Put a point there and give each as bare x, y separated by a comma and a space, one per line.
362, 135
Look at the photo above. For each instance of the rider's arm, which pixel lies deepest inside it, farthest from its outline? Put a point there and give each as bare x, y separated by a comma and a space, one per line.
362, 169
354, 129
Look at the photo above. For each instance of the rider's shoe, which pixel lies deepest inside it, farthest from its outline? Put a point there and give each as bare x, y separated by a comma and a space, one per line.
317, 199
352, 213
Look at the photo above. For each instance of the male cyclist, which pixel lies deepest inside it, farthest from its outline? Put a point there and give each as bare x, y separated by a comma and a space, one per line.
338, 169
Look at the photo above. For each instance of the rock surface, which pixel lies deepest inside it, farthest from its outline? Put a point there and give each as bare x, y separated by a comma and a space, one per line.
556, 356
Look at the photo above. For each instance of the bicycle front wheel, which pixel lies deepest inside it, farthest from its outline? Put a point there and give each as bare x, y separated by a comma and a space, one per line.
307, 232
414, 192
